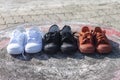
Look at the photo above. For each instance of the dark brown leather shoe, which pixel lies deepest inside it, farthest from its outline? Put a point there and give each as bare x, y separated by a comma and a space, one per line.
101, 41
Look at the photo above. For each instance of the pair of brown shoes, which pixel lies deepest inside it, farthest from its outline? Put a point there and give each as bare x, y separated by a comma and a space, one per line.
93, 40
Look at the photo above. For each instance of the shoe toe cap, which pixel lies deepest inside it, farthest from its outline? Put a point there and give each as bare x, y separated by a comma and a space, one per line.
87, 48
14, 49
68, 48
104, 48
51, 48
33, 47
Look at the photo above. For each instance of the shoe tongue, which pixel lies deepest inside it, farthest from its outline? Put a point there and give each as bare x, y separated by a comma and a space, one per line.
32, 33
16, 33
54, 28
98, 30
85, 29
66, 29
20, 28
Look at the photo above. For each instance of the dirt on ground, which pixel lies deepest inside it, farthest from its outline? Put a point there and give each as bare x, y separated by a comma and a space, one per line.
59, 66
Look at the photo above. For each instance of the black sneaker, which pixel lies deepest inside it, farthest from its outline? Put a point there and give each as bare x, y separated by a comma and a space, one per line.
52, 40
68, 41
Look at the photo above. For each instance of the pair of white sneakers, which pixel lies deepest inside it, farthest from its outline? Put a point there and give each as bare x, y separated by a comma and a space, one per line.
29, 41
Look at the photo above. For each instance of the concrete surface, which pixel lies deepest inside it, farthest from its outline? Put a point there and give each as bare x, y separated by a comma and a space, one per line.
59, 66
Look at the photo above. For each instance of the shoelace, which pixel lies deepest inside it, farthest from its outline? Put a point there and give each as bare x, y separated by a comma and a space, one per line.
86, 38
24, 56
101, 38
51, 36
32, 36
68, 37
16, 37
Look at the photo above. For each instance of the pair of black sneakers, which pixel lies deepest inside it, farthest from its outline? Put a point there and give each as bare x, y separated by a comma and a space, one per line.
60, 40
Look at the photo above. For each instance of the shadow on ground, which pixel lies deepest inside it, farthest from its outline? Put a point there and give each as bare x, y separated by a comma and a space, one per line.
43, 56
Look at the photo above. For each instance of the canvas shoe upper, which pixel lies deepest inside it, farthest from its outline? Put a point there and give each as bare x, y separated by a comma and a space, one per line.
33, 40
17, 42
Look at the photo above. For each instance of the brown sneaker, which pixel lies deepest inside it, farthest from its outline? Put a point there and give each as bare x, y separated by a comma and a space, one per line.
86, 41
101, 41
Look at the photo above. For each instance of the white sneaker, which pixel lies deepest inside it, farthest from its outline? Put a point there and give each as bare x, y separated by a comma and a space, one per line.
17, 42
34, 41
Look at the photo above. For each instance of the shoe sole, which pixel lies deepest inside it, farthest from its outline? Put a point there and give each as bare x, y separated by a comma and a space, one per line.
104, 51
87, 51
13, 52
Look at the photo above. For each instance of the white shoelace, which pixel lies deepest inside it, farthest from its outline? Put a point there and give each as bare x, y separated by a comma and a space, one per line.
23, 54
32, 35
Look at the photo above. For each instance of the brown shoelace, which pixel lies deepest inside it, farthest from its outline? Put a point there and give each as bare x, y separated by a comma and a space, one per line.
87, 38
101, 38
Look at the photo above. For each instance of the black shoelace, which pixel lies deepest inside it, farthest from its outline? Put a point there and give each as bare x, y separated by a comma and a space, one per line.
52, 37
68, 37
